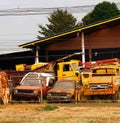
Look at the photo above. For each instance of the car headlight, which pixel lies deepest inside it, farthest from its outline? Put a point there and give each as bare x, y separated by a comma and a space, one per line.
110, 85
34, 91
49, 94
68, 95
15, 91
87, 86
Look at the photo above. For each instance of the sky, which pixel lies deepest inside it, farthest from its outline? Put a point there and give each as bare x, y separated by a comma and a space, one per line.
19, 29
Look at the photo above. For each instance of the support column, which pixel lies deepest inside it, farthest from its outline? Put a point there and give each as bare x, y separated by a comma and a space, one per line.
37, 55
46, 55
83, 48
90, 54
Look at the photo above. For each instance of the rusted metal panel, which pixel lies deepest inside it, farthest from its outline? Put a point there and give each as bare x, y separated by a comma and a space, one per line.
4, 88
15, 76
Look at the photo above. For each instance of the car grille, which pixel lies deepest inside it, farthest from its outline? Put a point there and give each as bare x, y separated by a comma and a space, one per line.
100, 87
58, 94
25, 91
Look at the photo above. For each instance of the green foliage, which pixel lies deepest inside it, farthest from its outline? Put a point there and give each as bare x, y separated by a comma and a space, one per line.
101, 11
59, 21
87, 19
49, 107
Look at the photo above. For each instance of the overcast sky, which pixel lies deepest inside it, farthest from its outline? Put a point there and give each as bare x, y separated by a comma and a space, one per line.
16, 30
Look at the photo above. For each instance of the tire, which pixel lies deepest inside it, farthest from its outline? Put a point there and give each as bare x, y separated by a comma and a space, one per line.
118, 95
89, 98
115, 96
72, 99
1, 101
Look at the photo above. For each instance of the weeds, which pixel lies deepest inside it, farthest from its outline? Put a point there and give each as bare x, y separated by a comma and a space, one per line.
49, 107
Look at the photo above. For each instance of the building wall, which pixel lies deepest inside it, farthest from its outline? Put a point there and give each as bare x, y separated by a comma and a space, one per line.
105, 38
65, 44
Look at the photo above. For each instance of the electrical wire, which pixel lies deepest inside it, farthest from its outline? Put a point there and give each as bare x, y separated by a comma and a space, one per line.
38, 11
15, 34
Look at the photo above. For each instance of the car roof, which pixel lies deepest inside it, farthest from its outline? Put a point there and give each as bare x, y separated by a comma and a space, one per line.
40, 74
65, 81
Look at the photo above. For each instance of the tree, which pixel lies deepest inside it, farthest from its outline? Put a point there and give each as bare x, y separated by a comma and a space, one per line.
101, 11
59, 21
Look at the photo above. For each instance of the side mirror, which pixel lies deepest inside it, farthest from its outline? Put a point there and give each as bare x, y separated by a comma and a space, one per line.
76, 74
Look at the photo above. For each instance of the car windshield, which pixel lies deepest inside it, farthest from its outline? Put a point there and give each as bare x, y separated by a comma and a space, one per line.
76, 68
33, 80
104, 72
64, 85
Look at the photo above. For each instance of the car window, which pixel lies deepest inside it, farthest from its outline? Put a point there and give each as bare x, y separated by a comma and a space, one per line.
64, 85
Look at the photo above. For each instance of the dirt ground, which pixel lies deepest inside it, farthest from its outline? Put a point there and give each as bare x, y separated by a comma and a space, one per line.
63, 113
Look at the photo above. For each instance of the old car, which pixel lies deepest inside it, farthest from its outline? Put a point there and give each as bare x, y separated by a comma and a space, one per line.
63, 91
34, 86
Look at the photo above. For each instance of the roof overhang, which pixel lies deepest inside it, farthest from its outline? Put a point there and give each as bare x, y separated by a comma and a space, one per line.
6, 52
72, 33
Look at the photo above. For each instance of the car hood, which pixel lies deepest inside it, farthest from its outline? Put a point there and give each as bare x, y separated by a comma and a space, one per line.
101, 79
61, 90
27, 87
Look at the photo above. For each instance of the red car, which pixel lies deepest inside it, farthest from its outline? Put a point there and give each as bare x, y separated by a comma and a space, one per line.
34, 86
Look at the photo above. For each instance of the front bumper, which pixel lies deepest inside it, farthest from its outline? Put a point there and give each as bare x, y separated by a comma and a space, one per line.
21, 95
108, 91
58, 98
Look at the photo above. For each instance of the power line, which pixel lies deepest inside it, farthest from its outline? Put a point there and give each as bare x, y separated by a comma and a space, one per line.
17, 40
16, 34
40, 11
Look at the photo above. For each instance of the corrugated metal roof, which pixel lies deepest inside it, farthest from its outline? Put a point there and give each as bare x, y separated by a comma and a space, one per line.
4, 52
86, 28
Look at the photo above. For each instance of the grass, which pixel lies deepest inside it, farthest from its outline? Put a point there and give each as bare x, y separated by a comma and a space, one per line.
49, 107
92, 112
91, 104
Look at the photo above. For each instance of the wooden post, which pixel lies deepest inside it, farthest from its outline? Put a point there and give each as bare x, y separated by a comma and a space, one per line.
90, 54
83, 48
46, 55
37, 55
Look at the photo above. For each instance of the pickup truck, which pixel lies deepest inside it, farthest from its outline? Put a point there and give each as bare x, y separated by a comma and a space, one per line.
62, 91
103, 82
34, 86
